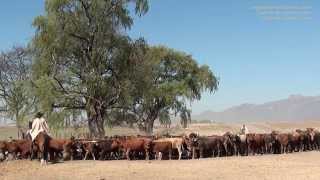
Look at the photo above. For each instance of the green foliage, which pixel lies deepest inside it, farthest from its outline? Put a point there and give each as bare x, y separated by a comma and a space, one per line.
164, 118
82, 55
165, 81
15, 85
83, 61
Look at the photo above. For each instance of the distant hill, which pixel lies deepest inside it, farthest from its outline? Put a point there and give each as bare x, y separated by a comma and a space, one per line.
294, 108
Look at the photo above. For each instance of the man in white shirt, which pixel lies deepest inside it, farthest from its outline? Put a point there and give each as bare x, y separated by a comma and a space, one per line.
39, 124
244, 129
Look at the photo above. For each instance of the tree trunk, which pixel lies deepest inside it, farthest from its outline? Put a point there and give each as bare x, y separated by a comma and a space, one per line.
184, 124
149, 126
96, 120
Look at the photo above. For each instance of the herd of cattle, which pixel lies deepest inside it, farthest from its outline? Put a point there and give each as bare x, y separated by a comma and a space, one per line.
166, 147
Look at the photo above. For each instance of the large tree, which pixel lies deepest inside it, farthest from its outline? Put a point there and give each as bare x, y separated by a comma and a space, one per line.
15, 72
164, 83
82, 55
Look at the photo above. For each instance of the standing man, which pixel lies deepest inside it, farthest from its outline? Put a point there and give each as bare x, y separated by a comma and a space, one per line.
244, 129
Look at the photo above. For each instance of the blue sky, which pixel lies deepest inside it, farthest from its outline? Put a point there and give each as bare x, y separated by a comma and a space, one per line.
257, 60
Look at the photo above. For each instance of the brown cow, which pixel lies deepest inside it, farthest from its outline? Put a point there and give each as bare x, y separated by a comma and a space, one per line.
135, 144
295, 142
16, 146
304, 139
256, 143
233, 145
207, 146
90, 147
160, 147
107, 146
24, 147
74, 149
311, 142
10, 147
282, 140
57, 147
225, 142
177, 143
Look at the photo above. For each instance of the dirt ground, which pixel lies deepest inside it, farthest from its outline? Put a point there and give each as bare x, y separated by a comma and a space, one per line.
304, 165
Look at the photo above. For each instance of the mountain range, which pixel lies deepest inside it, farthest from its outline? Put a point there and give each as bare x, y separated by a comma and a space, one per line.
294, 108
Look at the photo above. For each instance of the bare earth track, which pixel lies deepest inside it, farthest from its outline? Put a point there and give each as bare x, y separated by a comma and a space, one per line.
305, 165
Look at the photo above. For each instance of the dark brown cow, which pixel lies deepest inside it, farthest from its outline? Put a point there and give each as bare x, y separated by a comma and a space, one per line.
295, 142
207, 146
225, 143
233, 144
268, 143
256, 143
135, 144
310, 136
90, 147
160, 148
107, 146
305, 139
317, 140
73, 149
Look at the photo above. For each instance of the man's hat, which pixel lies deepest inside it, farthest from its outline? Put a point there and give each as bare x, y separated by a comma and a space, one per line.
39, 114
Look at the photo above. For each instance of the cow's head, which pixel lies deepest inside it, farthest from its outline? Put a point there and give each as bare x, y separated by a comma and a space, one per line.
69, 148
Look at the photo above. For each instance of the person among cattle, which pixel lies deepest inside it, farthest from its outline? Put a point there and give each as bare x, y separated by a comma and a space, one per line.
39, 124
244, 129
10, 139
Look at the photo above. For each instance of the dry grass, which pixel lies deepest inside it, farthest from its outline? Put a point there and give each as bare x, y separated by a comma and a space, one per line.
6, 132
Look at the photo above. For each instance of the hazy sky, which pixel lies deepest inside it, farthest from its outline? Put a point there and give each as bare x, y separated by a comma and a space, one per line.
262, 50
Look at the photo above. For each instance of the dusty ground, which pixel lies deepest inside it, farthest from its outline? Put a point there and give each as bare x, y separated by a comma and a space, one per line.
300, 166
